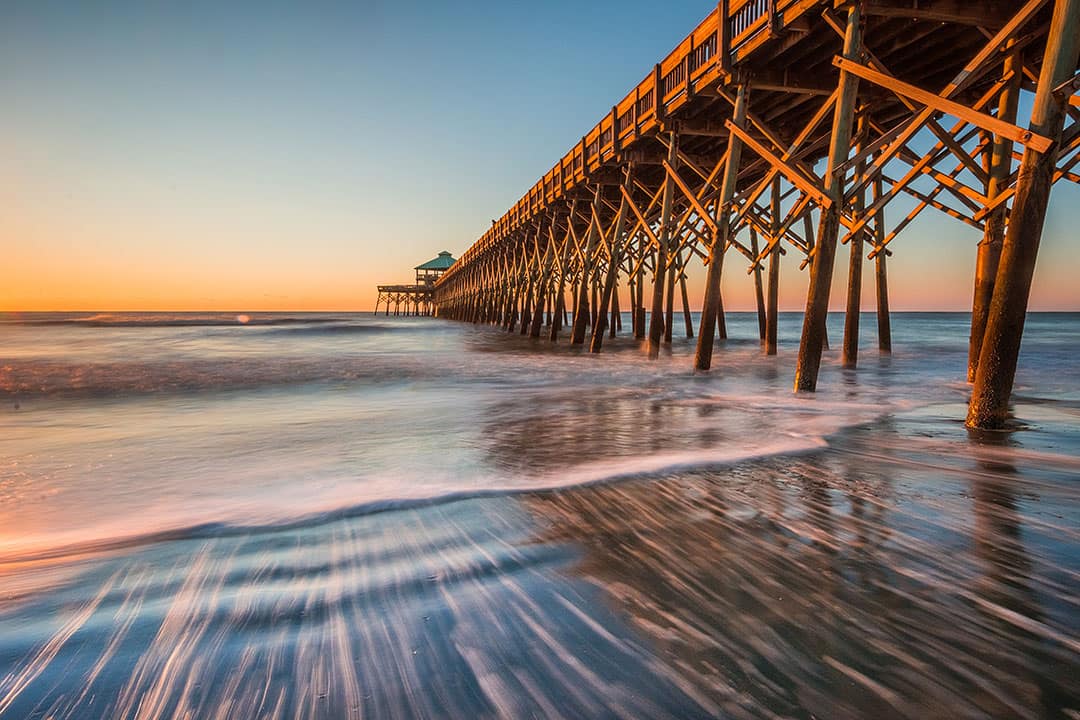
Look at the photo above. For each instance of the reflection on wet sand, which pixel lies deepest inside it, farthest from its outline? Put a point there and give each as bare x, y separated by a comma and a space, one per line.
869, 580
836, 589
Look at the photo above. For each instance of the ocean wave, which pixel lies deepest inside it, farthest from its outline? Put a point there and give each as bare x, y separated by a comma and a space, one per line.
332, 328
334, 509
35, 379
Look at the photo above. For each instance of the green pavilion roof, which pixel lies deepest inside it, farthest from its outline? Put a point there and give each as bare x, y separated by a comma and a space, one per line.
443, 262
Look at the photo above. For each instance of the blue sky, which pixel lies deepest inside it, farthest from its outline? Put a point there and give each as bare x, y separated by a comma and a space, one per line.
233, 155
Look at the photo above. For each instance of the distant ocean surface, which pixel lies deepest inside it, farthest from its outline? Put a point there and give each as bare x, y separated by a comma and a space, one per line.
334, 515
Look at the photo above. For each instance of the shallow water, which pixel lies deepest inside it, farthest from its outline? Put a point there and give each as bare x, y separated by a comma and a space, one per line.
340, 515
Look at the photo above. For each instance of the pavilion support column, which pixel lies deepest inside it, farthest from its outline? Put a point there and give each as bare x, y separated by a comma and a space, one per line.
772, 314
821, 270
849, 357
633, 307
1012, 286
656, 319
759, 291
881, 275
582, 311
609, 295
712, 308
989, 254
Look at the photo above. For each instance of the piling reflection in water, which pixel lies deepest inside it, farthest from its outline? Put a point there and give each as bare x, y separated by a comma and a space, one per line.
845, 591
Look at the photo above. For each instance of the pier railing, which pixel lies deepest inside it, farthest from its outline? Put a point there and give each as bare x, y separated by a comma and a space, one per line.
703, 57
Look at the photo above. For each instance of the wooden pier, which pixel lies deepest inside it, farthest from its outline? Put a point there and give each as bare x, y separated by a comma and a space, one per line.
791, 125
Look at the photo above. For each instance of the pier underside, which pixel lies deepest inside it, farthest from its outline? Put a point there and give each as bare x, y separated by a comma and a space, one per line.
792, 126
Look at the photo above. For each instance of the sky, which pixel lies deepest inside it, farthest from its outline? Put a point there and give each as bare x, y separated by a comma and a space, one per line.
292, 156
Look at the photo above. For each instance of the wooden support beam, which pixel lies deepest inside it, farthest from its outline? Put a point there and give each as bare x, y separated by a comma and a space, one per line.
772, 315
881, 277
609, 293
849, 354
1028, 138
711, 304
759, 291
817, 301
582, 312
1012, 287
988, 13
793, 176
656, 317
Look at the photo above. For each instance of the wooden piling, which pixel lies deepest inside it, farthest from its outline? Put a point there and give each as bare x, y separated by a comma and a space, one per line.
759, 291
582, 312
849, 354
639, 310
609, 295
772, 315
712, 302
669, 309
688, 319
881, 277
656, 318
1008, 307
989, 250
616, 316
821, 270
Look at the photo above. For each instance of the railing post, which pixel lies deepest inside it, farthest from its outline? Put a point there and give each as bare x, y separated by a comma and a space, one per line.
774, 19
821, 270
723, 35
1012, 287
658, 94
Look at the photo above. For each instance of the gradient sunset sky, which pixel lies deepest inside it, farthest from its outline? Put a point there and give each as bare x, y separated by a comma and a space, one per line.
290, 156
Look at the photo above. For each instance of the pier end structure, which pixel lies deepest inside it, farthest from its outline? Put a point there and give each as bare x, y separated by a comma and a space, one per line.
418, 298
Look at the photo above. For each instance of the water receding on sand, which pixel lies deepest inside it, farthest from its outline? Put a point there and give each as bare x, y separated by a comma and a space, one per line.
339, 516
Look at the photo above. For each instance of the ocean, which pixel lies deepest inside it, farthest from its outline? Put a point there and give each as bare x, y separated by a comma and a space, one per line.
214, 515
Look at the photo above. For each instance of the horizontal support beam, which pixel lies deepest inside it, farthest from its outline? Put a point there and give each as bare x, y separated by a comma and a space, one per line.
986, 122
960, 12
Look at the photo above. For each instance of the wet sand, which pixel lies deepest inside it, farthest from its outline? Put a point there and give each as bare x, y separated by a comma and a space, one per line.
905, 571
